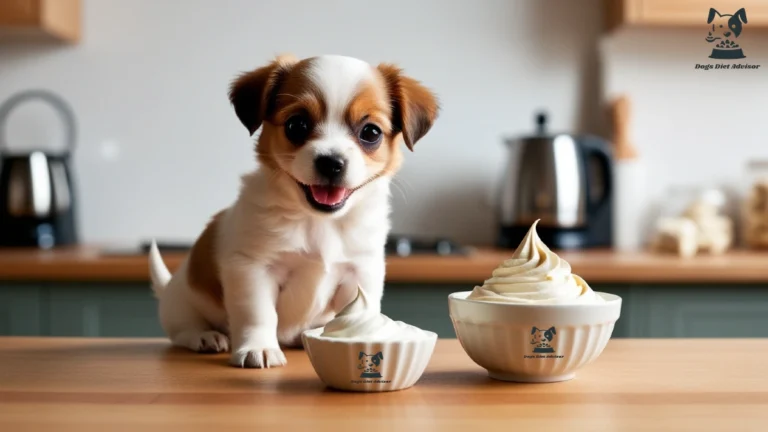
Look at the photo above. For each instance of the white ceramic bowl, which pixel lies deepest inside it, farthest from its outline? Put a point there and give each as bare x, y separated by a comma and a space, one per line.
533, 343
368, 366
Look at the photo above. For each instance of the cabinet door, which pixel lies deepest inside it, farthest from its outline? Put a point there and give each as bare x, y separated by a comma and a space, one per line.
49, 19
20, 310
102, 310
707, 311
694, 12
680, 13
19, 12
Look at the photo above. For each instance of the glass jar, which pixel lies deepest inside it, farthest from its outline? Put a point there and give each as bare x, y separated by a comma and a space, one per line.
754, 209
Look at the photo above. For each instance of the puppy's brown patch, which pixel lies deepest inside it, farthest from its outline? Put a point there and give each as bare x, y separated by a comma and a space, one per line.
415, 108
252, 93
371, 105
294, 94
203, 271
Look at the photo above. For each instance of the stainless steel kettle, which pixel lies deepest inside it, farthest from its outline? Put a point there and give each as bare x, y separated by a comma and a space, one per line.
37, 199
562, 180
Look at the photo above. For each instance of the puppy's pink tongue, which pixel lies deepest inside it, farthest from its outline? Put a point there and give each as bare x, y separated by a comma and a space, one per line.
328, 195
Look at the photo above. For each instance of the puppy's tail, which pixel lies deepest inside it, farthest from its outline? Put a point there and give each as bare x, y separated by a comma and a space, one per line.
158, 272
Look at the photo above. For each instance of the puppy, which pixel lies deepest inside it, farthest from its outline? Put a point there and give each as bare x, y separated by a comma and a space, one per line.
542, 338
310, 224
370, 364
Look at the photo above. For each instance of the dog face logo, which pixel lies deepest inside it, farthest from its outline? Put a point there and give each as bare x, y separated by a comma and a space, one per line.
723, 31
370, 364
542, 339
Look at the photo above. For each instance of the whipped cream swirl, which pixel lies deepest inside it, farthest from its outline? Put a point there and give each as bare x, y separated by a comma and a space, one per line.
535, 275
358, 321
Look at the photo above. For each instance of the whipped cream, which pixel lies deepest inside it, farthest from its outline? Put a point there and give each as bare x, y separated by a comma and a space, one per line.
535, 275
358, 321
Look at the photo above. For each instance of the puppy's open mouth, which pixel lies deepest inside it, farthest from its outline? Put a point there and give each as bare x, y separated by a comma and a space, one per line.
710, 39
326, 198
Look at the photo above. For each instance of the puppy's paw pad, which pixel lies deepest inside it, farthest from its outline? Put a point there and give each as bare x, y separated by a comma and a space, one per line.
213, 341
258, 358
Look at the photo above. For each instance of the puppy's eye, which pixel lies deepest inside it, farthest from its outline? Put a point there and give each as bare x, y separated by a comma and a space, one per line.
297, 129
370, 134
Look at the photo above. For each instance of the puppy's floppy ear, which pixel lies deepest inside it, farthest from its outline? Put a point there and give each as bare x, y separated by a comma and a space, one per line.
380, 355
533, 330
360, 355
414, 107
253, 93
552, 329
711, 16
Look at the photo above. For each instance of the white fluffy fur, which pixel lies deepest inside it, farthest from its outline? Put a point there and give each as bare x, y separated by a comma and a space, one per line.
279, 258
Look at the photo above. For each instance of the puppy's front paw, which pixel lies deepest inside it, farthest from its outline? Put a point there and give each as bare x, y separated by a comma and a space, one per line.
213, 341
205, 341
258, 358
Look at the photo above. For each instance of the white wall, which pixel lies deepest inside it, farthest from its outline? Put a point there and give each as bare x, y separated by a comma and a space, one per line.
693, 128
161, 149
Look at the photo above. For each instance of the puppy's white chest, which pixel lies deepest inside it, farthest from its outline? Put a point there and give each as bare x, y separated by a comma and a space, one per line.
322, 240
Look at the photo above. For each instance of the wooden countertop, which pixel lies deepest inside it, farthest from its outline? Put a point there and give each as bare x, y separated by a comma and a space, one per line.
89, 264
143, 384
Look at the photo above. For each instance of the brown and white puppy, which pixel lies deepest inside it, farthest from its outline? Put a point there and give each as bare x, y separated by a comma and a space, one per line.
310, 224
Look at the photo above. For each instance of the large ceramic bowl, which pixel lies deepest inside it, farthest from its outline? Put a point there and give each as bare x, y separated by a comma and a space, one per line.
530, 342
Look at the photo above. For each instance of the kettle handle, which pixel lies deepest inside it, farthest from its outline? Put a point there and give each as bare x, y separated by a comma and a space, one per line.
59, 104
595, 147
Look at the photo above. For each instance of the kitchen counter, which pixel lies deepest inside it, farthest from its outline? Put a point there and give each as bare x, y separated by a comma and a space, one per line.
89, 264
144, 384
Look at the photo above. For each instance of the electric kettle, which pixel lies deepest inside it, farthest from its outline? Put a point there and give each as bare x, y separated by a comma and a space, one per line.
37, 199
562, 180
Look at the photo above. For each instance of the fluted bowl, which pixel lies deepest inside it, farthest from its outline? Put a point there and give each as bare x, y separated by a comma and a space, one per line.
368, 366
533, 342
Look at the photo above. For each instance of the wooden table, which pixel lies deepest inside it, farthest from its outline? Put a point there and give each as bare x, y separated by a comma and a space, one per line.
90, 263
144, 385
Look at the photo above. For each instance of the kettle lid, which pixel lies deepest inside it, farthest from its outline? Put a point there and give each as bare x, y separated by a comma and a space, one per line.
541, 132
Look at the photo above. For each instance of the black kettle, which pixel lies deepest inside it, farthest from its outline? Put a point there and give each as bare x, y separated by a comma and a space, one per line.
562, 180
37, 197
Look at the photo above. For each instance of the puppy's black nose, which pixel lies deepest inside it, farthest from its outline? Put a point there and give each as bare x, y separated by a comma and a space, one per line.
331, 167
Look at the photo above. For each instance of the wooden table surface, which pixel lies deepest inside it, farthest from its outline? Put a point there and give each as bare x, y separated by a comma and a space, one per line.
144, 385
91, 264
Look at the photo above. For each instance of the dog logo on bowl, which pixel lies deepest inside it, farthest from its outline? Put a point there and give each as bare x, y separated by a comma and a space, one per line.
542, 339
723, 32
370, 364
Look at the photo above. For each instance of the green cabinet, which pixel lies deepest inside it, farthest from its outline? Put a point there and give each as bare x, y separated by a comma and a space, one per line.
21, 309
714, 311
112, 309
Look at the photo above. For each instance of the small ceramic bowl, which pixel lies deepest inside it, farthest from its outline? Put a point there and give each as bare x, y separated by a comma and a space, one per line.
368, 366
530, 342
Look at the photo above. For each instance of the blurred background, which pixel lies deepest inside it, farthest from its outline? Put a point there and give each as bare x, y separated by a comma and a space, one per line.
607, 120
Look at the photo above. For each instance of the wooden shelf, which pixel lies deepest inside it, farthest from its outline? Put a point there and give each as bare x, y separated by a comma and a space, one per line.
87, 263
